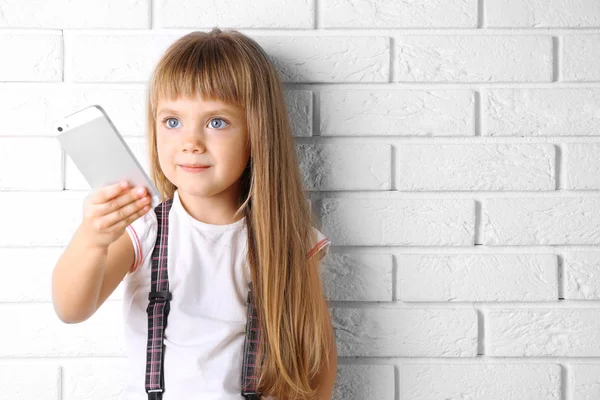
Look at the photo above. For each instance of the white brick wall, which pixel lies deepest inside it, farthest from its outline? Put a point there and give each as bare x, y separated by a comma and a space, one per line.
451, 149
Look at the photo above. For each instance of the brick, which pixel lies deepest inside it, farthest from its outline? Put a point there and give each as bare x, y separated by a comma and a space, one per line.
38, 332
543, 333
95, 379
542, 14
580, 58
357, 277
581, 275
34, 266
397, 113
299, 105
359, 382
31, 265
40, 382
509, 166
541, 112
582, 166
259, 14
469, 58
55, 216
583, 381
329, 59
65, 14
130, 58
393, 14
541, 221
41, 62
346, 167
497, 277
388, 332
389, 222
113, 57
34, 164
480, 381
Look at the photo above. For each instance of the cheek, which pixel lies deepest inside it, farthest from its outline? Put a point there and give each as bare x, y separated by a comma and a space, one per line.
237, 158
164, 153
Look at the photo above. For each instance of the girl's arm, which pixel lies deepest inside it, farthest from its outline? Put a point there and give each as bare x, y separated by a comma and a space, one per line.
85, 276
100, 252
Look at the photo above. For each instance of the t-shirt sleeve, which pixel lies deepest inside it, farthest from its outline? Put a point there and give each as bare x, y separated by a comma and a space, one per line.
142, 233
321, 247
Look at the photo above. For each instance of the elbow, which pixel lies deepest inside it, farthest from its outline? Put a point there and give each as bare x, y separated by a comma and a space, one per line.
66, 318
66, 309
72, 316
68, 312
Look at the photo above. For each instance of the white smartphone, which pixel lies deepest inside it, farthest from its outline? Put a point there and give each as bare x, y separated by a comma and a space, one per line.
98, 150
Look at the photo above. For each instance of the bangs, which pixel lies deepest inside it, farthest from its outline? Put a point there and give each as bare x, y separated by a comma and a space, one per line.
204, 66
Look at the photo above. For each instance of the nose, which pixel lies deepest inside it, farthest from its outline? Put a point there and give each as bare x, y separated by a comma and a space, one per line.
193, 141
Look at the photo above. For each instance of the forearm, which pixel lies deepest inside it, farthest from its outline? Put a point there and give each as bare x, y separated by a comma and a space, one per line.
77, 279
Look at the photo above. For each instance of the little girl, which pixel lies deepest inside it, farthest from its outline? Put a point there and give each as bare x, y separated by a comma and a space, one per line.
223, 297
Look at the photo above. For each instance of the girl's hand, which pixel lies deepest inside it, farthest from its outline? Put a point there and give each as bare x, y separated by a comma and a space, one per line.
109, 210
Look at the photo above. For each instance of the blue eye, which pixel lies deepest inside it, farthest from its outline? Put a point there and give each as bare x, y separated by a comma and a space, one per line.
169, 125
167, 121
217, 119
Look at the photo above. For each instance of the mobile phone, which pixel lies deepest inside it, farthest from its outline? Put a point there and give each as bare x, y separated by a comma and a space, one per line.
97, 149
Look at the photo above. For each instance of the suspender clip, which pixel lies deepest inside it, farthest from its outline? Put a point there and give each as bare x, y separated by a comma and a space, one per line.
155, 396
159, 297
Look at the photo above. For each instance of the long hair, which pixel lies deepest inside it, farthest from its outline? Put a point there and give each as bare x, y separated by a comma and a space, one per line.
231, 67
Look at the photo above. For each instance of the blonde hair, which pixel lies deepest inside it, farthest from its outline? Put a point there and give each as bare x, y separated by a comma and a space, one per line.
231, 67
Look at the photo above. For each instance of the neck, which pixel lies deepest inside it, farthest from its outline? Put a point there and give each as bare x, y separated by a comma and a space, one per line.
216, 210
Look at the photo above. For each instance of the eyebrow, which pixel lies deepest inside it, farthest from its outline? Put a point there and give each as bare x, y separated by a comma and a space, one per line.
215, 111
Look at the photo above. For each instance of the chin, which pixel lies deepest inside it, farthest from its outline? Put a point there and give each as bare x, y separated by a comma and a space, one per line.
196, 189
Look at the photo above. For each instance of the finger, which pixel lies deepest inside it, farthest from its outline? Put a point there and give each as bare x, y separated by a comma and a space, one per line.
108, 193
123, 224
126, 212
121, 201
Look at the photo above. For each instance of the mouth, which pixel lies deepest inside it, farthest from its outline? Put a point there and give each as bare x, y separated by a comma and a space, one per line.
194, 167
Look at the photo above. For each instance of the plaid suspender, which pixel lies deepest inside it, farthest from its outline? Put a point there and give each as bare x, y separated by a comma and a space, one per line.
158, 306
158, 311
249, 368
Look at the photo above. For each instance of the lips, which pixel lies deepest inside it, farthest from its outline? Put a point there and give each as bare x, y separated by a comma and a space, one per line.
194, 168
194, 165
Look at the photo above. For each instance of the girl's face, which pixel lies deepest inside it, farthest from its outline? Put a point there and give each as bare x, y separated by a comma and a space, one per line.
194, 132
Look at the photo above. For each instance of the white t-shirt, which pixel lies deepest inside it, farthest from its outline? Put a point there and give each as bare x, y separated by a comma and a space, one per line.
208, 279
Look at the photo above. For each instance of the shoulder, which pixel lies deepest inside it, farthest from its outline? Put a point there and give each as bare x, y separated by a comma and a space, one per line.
143, 233
321, 245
